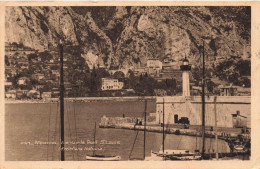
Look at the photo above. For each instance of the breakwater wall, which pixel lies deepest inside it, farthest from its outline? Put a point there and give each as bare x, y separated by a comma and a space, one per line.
129, 123
191, 107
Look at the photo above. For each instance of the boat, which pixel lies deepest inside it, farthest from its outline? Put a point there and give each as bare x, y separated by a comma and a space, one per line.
96, 157
103, 158
169, 154
154, 157
176, 155
186, 154
239, 148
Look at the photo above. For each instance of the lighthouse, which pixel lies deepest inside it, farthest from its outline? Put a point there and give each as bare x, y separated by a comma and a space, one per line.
185, 68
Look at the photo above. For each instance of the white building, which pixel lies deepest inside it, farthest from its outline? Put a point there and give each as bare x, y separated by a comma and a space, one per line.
46, 95
154, 64
11, 94
111, 84
22, 81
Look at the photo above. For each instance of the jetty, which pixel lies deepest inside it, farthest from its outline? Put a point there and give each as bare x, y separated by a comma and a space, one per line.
136, 123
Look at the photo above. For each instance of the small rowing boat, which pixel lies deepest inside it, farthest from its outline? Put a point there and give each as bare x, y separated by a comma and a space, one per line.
95, 157
103, 158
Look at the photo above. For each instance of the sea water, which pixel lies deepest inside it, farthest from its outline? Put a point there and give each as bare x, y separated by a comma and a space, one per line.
32, 132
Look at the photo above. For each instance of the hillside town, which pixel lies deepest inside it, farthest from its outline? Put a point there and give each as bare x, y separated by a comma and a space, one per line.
35, 75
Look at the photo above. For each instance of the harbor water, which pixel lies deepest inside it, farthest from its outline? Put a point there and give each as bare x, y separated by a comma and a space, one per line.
32, 132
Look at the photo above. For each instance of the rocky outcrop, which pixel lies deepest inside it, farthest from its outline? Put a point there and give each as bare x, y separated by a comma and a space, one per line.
128, 36
39, 27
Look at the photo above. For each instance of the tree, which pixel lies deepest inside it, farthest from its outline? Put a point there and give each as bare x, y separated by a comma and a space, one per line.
196, 74
246, 82
7, 63
233, 78
243, 67
102, 73
141, 77
94, 80
45, 56
130, 74
32, 56
138, 89
210, 86
146, 75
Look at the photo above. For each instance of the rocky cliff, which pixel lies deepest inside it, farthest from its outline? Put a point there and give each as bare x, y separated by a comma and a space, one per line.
127, 36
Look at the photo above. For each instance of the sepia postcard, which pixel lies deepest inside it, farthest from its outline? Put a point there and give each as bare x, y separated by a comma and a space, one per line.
139, 84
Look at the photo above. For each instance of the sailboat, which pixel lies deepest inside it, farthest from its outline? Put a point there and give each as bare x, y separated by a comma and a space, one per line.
186, 154
96, 157
169, 154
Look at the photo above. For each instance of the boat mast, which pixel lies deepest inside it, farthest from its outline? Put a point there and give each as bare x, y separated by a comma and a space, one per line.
216, 129
145, 111
163, 126
94, 140
203, 102
61, 101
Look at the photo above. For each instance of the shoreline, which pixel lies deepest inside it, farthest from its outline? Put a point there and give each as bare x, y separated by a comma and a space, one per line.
81, 99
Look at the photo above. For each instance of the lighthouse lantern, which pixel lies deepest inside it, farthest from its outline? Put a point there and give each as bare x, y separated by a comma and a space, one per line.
185, 65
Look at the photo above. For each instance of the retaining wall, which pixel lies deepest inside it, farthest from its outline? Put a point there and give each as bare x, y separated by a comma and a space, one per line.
191, 107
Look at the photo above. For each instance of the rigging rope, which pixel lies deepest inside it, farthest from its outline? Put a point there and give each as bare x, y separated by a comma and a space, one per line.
75, 125
135, 138
59, 129
210, 147
54, 135
49, 132
179, 143
221, 147
67, 107
134, 144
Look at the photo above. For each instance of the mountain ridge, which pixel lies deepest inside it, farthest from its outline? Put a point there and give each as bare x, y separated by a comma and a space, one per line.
128, 36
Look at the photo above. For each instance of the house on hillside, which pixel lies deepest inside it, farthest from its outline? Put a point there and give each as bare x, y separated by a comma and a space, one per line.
33, 94
38, 76
111, 84
154, 64
21, 94
46, 95
154, 67
228, 90
11, 94
22, 81
169, 63
8, 83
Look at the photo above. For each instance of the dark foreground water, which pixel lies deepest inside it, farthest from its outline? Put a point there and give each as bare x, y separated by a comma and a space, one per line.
29, 126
